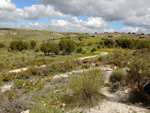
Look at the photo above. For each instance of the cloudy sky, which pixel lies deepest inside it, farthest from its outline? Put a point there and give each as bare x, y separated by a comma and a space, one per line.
77, 15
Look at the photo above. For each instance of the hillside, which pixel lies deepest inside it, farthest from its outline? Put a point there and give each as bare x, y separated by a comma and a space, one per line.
57, 72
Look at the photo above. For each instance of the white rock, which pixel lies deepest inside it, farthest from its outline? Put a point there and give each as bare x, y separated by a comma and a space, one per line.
27, 111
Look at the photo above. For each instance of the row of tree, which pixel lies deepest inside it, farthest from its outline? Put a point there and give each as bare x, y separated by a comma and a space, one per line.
65, 46
127, 43
22, 45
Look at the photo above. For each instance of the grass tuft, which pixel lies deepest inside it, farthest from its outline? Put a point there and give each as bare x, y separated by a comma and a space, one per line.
86, 88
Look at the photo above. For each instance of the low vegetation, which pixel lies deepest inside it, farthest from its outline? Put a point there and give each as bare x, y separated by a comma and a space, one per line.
46, 54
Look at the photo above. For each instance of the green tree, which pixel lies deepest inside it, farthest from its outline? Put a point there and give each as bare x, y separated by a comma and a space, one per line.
71, 46
19, 45
32, 44
44, 48
63, 45
109, 43
13, 45
50, 48
55, 49
67, 46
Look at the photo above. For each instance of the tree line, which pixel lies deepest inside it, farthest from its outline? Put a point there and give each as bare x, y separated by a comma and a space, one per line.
48, 48
127, 43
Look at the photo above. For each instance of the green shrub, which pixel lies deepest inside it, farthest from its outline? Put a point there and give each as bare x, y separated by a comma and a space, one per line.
141, 37
18, 84
99, 46
32, 44
25, 74
40, 86
37, 50
117, 76
86, 60
79, 50
86, 88
137, 76
19, 45
89, 44
2, 45
11, 95
94, 49
85, 66
67, 46
6, 77
109, 43
84, 52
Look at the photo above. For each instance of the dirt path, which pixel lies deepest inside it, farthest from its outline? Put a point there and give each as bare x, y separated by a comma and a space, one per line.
82, 58
112, 104
8, 86
102, 54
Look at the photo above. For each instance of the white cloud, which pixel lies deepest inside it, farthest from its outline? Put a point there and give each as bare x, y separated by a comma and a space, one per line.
70, 25
134, 13
129, 29
131, 12
9, 12
38, 11
7, 5
109, 30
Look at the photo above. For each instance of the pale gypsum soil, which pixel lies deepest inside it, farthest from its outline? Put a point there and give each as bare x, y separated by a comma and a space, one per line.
8, 86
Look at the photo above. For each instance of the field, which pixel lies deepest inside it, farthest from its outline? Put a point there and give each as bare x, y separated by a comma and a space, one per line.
87, 73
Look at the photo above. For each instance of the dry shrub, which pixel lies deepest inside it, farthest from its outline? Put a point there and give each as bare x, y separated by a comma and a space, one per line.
85, 66
137, 76
98, 64
86, 88
86, 60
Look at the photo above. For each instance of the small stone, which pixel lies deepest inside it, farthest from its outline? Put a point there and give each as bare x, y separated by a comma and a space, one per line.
27, 111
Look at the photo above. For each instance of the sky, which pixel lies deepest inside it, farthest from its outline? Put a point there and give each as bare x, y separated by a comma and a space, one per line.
86, 16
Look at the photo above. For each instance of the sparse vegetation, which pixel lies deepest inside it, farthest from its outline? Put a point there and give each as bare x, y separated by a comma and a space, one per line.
45, 54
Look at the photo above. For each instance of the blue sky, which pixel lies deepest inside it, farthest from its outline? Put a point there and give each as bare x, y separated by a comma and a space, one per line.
76, 16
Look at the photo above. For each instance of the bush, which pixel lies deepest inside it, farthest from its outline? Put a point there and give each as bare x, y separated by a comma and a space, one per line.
67, 46
48, 47
99, 46
86, 88
2, 45
85, 66
98, 64
6, 77
11, 95
137, 76
79, 50
18, 84
117, 76
19, 45
25, 74
94, 49
40, 86
37, 50
32, 44
109, 43
86, 60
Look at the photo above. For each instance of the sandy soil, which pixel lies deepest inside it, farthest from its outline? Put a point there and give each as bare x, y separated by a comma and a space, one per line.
102, 54
112, 104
